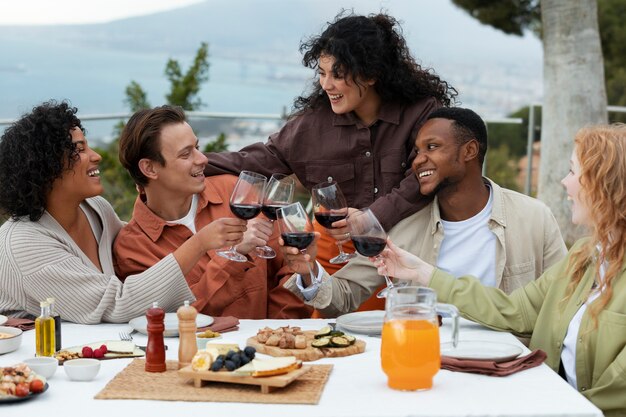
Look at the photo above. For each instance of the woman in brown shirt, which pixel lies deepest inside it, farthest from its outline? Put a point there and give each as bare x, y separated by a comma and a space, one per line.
358, 123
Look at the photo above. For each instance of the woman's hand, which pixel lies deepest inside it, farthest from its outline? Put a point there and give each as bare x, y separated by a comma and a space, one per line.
300, 263
220, 233
398, 263
340, 230
258, 233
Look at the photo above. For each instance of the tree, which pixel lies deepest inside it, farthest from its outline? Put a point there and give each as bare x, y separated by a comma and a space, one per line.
574, 91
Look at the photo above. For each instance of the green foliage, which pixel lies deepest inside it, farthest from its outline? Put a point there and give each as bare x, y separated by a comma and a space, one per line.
218, 145
184, 87
502, 167
510, 16
136, 97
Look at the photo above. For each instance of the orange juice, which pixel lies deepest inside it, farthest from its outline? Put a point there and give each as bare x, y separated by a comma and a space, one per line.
410, 353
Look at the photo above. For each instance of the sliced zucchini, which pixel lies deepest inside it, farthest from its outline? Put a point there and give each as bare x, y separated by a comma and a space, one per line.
324, 331
350, 338
339, 341
321, 343
336, 333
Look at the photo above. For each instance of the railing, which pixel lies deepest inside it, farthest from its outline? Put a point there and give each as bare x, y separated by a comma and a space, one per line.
278, 117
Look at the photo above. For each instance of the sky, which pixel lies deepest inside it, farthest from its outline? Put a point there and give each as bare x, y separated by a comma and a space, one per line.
52, 12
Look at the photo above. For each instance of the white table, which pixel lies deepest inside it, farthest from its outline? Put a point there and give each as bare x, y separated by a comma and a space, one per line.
356, 387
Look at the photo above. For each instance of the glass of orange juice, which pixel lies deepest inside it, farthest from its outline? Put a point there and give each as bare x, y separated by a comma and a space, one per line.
410, 354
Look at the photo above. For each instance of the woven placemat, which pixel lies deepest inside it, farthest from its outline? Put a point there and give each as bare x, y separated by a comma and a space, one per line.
134, 383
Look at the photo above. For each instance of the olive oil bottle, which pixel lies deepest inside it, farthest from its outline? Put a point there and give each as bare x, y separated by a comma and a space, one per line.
44, 331
57, 325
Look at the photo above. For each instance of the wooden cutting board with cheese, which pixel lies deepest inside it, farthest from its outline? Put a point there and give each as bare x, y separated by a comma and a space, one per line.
343, 345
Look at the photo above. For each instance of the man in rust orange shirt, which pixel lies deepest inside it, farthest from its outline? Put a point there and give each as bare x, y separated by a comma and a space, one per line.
160, 151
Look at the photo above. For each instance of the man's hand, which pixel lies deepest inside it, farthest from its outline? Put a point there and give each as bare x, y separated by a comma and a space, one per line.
340, 229
258, 233
221, 233
301, 263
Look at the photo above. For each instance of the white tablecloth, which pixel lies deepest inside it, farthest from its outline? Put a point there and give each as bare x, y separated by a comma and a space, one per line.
356, 387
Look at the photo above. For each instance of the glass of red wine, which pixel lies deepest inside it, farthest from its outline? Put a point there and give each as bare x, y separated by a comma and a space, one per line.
329, 206
369, 240
296, 229
278, 193
245, 203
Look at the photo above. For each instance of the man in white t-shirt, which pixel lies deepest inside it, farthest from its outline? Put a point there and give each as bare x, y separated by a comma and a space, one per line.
473, 226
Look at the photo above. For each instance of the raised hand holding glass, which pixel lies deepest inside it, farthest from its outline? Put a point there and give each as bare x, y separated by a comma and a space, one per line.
245, 203
370, 239
296, 229
278, 193
329, 206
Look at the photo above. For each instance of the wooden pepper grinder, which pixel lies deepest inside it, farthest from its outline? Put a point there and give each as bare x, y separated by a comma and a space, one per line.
187, 346
155, 350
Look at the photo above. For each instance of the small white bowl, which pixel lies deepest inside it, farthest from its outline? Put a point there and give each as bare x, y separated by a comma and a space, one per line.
83, 369
12, 342
43, 365
202, 341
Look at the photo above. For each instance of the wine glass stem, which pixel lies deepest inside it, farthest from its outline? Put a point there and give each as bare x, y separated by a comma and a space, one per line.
312, 275
340, 246
387, 280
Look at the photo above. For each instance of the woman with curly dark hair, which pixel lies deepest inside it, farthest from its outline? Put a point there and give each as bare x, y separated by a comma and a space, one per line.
357, 125
58, 242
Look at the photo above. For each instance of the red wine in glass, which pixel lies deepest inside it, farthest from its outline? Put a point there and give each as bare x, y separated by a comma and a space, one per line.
270, 210
329, 206
326, 218
300, 240
278, 193
369, 245
245, 211
245, 203
369, 240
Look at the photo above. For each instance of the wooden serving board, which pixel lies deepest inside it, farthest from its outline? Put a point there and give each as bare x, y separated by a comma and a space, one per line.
137, 353
266, 383
310, 353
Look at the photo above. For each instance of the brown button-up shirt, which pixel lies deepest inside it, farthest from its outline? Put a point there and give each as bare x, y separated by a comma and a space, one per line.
247, 290
371, 163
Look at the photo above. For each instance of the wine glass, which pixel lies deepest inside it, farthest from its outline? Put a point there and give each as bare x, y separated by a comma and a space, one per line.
329, 206
278, 193
245, 203
296, 229
369, 240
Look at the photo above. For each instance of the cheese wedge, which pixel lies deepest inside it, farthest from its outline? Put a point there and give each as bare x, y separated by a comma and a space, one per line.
269, 366
119, 346
221, 348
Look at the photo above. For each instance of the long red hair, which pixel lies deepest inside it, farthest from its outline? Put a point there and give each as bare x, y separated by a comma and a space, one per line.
601, 151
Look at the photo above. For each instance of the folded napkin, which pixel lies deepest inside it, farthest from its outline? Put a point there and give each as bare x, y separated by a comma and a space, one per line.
534, 358
22, 324
223, 324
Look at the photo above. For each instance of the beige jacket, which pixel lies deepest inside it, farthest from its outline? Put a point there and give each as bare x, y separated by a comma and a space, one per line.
528, 242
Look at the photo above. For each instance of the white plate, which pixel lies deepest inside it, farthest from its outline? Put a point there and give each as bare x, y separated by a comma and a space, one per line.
171, 323
481, 350
362, 322
3, 319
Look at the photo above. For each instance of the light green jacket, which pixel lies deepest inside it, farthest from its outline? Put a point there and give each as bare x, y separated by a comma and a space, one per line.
538, 310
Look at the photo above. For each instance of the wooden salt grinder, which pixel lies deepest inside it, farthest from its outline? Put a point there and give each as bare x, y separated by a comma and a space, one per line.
187, 346
155, 350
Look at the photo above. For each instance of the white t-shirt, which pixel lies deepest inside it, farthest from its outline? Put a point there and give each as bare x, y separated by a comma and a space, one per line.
469, 247
568, 354
189, 220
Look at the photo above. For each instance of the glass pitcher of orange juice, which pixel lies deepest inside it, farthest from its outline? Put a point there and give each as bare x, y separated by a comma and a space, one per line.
410, 353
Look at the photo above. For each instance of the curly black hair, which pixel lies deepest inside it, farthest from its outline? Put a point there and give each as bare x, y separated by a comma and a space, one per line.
371, 48
34, 151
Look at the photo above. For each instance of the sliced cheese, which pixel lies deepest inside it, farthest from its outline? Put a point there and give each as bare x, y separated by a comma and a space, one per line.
120, 346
